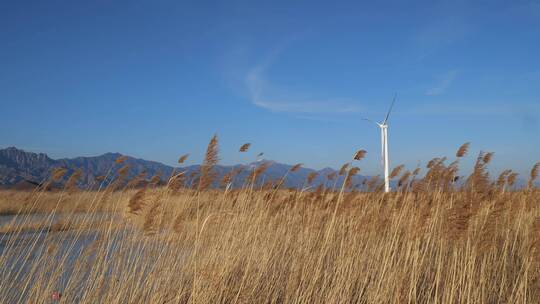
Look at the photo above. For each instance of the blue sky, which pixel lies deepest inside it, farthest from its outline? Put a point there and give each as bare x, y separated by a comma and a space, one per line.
156, 79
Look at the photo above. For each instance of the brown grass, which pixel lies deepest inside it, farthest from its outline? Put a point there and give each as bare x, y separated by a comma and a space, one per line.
430, 242
256, 248
44, 226
16, 202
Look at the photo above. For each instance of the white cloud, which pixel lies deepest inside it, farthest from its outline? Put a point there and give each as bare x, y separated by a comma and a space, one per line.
306, 107
445, 81
264, 94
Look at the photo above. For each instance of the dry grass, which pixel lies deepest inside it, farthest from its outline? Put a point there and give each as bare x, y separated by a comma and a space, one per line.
429, 242
255, 247
42, 225
16, 202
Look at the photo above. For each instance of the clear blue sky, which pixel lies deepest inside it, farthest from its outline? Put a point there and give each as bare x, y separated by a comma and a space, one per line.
155, 79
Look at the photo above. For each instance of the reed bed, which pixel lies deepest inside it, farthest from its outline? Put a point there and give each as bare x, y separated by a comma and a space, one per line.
438, 238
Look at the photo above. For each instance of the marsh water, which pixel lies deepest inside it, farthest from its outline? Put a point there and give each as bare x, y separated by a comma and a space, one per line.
40, 255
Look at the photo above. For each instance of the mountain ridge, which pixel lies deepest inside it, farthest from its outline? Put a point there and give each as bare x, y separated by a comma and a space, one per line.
17, 165
20, 166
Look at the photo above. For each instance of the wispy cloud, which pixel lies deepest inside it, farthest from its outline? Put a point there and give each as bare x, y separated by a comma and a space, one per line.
266, 95
445, 81
306, 107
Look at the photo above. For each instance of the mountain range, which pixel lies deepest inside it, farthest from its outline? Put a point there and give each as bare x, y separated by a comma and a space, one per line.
19, 167
22, 169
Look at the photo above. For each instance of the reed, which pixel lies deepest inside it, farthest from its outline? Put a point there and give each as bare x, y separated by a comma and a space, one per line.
360, 154
183, 158
534, 175
244, 147
462, 151
433, 241
208, 174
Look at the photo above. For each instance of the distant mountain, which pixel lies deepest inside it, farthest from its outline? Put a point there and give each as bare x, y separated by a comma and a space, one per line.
18, 167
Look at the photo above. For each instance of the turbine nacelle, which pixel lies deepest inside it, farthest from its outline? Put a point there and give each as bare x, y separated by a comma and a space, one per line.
379, 124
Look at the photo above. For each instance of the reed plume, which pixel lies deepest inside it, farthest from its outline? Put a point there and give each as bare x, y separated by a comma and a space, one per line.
318, 193
432, 162
478, 181
296, 167
193, 179
353, 171
211, 159
136, 202
350, 174
71, 183
451, 175
137, 181
359, 155
183, 158
123, 171
512, 177
121, 159
256, 172
403, 180
462, 151
120, 180
176, 182
343, 169
155, 180
311, 176
150, 225
227, 179
502, 179
534, 175
396, 171
58, 173
488, 157
245, 147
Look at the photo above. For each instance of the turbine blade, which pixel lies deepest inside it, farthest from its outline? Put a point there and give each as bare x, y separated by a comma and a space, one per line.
367, 119
390, 110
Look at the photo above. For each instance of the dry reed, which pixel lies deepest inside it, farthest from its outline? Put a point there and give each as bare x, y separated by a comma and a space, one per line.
433, 241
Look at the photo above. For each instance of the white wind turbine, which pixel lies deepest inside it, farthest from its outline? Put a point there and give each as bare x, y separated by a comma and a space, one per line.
384, 145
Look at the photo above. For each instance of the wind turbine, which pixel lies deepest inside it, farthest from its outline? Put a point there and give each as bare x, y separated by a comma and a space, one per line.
384, 145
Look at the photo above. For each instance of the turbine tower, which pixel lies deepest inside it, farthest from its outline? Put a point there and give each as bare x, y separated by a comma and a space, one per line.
384, 146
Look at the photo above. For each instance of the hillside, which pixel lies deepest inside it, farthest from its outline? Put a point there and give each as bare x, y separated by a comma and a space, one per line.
20, 167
